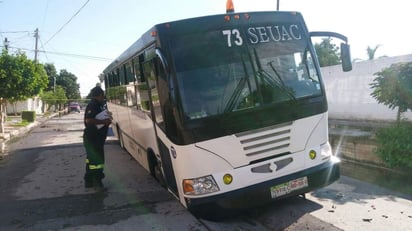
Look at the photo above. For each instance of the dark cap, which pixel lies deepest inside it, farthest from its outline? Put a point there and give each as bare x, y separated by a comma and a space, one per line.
96, 91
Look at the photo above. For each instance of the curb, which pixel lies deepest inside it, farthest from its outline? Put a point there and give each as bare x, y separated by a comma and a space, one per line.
16, 132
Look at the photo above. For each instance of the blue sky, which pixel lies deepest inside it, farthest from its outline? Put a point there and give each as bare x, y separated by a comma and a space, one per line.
105, 28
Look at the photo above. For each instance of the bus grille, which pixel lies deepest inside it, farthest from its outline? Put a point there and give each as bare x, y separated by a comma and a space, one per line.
271, 140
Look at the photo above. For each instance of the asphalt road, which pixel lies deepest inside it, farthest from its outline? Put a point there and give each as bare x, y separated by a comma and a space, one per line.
42, 188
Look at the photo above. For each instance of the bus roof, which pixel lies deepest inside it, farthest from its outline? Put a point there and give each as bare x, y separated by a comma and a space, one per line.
201, 23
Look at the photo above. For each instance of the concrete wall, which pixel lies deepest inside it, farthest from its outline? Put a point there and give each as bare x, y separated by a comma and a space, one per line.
359, 149
349, 92
33, 104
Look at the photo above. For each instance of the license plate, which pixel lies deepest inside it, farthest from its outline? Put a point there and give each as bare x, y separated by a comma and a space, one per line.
288, 187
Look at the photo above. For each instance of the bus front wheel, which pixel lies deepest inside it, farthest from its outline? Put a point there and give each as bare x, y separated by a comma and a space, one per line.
159, 175
119, 134
156, 169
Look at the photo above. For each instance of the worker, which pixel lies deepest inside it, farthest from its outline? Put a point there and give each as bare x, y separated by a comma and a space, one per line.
94, 138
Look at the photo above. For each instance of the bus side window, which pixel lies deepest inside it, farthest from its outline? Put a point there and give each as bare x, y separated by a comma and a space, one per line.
107, 84
116, 86
130, 77
149, 88
168, 123
151, 68
122, 91
137, 67
141, 88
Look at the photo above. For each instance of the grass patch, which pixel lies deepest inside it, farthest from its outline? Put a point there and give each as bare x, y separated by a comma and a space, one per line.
21, 123
46, 114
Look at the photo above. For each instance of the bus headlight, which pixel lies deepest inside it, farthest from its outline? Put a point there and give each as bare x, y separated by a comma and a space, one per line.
199, 186
325, 151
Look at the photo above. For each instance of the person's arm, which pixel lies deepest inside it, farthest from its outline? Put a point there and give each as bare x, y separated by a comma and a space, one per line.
93, 121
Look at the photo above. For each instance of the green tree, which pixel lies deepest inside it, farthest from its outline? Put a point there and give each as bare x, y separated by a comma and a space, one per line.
52, 75
69, 83
371, 51
327, 52
393, 87
60, 96
34, 78
54, 98
20, 78
48, 99
10, 76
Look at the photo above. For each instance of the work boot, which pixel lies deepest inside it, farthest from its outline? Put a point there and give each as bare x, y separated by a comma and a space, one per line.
88, 184
98, 185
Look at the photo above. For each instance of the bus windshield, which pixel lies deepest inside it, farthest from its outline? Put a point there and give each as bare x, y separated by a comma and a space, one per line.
216, 75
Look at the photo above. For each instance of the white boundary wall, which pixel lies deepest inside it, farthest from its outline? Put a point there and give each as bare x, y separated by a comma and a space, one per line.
31, 104
348, 93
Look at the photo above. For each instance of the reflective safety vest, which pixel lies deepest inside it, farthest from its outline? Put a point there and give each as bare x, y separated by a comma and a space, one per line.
93, 166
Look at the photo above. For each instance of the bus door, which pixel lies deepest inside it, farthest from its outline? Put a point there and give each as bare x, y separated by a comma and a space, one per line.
158, 95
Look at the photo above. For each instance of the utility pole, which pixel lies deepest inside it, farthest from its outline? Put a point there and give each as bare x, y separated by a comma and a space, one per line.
277, 5
36, 35
6, 44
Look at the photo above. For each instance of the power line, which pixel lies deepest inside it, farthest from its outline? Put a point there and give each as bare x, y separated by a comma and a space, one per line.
66, 54
77, 55
41, 42
45, 13
14, 32
68, 21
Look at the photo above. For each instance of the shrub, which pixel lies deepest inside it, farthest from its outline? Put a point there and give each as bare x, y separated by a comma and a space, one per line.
395, 146
30, 116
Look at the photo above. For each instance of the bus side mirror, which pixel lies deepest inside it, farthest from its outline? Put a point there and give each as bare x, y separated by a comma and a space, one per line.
345, 57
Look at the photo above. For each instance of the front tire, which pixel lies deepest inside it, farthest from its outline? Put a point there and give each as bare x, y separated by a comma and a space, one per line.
120, 137
159, 175
155, 168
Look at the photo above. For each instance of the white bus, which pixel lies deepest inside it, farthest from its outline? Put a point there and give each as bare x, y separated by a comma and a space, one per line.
226, 111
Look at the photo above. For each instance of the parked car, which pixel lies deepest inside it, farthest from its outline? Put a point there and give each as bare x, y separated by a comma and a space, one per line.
73, 106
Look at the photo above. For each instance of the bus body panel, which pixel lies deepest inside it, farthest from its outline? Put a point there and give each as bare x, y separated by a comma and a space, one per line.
242, 149
271, 149
260, 194
221, 151
136, 130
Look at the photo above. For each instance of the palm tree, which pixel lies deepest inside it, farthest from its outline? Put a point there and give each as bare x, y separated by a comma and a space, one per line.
371, 51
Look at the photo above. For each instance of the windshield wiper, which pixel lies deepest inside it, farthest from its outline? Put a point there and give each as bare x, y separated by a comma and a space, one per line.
271, 81
276, 72
305, 62
235, 96
238, 90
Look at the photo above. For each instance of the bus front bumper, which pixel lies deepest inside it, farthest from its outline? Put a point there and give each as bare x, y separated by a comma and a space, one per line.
263, 193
